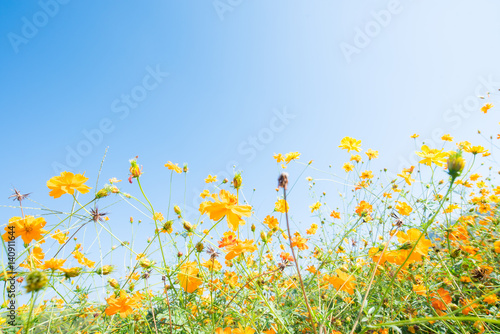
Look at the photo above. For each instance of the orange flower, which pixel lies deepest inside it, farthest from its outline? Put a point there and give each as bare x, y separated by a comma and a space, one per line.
29, 228
226, 204
343, 282
486, 107
67, 183
335, 214
228, 239
299, 242
53, 264
188, 277
364, 208
271, 222
240, 330
408, 241
286, 257
170, 165
420, 289
212, 264
313, 229
240, 247
226, 330
441, 299
124, 305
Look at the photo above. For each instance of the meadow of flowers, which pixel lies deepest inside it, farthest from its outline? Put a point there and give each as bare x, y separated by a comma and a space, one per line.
417, 251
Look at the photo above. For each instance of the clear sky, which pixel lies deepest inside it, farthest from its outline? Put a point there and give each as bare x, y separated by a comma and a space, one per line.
230, 82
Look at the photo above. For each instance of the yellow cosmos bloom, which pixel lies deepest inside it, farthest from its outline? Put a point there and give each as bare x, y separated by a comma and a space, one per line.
447, 138
371, 154
53, 264
226, 204
403, 208
315, 206
170, 165
211, 179
430, 156
350, 144
67, 183
291, 156
281, 206
29, 228
348, 167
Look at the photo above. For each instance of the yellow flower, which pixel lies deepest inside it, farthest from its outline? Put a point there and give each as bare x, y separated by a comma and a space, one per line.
447, 138
29, 228
67, 183
279, 158
173, 167
212, 264
211, 179
371, 154
315, 206
432, 156
335, 214
291, 156
280, 206
342, 282
474, 149
350, 144
313, 229
348, 167
367, 174
414, 136
240, 247
59, 236
403, 208
226, 204
486, 107
355, 157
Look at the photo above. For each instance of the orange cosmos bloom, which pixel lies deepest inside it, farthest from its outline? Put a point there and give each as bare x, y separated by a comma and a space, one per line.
408, 239
313, 229
486, 107
53, 264
240, 247
286, 257
170, 165
299, 242
350, 144
364, 208
226, 204
188, 277
29, 228
441, 299
343, 282
67, 183
272, 223
335, 214
240, 330
226, 330
124, 304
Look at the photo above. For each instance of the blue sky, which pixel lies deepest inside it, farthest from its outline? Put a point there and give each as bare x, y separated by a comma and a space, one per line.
227, 82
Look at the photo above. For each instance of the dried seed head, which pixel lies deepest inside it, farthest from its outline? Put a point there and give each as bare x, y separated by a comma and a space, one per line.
96, 215
212, 252
17, 196
283, 181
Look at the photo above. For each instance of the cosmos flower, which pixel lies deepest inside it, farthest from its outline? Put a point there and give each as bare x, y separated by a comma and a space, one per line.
67, 183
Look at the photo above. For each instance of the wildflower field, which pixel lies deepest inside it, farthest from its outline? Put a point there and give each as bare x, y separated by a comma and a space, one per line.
409, 251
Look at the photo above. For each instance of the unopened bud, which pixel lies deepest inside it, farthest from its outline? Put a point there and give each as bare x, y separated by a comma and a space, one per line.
113, 283
237, 181
36, 280
104, 270
252, 227
456, 164
200, 247
177, 210
187, 226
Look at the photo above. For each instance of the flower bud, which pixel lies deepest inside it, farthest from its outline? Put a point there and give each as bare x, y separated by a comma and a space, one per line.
104, 270
36, 280
199, 247
225, 181
72, 272
456, 164
252, 227
187, 226
177, 210
103, 192
113, 283
263, 236
237, 181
